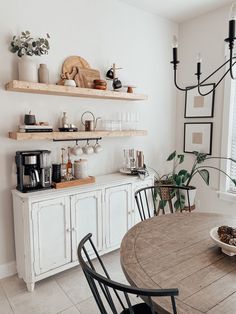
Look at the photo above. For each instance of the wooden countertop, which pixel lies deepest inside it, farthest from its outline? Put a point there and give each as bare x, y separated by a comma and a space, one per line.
176, 251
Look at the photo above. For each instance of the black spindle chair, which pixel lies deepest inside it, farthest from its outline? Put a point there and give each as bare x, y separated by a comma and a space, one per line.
153, 199
111, 296
146, 202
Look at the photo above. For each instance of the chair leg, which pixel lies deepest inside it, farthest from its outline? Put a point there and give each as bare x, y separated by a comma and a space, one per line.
171, 206
163, 211
158, 210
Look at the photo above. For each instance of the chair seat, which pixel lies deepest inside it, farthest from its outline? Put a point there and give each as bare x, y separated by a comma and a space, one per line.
141, 308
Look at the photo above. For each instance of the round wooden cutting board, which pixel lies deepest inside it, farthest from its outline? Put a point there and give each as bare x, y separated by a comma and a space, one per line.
74, 61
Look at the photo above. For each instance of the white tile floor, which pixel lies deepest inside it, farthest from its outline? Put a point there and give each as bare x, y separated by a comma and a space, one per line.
64, 293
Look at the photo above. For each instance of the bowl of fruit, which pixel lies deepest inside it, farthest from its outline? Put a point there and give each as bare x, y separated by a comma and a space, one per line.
225, 237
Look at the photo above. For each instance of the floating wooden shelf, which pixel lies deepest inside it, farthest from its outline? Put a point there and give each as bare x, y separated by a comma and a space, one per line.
74, 135
53, 89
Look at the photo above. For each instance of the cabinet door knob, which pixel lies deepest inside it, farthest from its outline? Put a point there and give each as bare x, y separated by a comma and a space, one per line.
68, 230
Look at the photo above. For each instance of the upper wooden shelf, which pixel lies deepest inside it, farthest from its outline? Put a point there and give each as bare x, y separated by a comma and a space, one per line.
74, 135
53, 89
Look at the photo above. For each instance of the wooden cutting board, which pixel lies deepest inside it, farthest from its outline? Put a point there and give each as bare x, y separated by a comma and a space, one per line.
87, 76
74, 61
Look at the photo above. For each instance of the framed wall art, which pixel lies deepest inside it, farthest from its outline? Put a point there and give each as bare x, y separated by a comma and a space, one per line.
197, 106
198, 137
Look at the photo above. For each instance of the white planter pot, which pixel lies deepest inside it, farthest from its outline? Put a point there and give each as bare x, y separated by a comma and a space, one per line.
192, 194
27, 69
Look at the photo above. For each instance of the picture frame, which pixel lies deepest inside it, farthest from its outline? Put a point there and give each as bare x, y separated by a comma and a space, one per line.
198, 137
197, 106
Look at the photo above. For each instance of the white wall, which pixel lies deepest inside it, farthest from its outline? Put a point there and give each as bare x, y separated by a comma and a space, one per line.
204, 34
102, 32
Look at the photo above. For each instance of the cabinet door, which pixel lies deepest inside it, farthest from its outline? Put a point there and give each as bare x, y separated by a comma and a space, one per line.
51, 234
86, 215
118, 214
135, 213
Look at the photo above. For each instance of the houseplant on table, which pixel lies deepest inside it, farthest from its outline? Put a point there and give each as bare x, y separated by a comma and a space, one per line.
183, 177
26, 47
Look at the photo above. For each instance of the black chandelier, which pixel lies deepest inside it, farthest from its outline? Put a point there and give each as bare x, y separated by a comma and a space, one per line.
200, 82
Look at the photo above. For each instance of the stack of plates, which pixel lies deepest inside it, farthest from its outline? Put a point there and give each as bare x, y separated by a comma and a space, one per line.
35, 128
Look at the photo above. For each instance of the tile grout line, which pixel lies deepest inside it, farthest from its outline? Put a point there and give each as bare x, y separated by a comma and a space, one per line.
64, 292
68, 309
8, 300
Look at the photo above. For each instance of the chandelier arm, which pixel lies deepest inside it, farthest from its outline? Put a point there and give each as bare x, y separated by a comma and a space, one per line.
220, 67
215, 85
180, 88
207, 78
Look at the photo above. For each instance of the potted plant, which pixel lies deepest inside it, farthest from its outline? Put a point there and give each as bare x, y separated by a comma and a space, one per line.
184, 177
167, 179
25, 46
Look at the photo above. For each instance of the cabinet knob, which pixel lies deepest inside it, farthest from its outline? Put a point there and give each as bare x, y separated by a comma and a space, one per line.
68, 230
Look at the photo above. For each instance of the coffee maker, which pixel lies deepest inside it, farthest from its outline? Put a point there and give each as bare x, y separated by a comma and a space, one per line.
33, 170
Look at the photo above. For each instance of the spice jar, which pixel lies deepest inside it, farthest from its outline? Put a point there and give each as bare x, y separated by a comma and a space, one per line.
81, 169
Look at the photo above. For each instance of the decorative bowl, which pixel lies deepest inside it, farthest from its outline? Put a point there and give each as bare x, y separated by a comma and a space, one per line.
228, 249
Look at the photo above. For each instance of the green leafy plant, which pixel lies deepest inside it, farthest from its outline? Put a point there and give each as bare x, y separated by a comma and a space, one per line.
184, 177
24, 44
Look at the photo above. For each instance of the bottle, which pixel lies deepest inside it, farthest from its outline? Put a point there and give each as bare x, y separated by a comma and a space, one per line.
64, 120
69, 165
43, 73
63, 164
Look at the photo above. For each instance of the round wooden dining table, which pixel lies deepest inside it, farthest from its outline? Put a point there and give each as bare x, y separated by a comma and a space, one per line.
176, 251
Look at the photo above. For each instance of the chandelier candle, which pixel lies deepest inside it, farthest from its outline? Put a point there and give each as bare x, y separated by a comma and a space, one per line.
199, 63
232, 23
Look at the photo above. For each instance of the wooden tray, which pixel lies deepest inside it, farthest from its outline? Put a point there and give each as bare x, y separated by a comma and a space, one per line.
87, 76
75, 182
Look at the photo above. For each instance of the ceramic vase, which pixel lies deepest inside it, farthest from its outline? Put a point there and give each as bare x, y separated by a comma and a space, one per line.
43, 74
27, 69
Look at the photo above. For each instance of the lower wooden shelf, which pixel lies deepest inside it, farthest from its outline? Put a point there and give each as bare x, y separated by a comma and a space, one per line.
19, 136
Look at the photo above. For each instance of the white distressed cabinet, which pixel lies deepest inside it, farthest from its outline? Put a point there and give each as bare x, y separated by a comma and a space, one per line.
117, 214
86, 217
49, 224
51, 234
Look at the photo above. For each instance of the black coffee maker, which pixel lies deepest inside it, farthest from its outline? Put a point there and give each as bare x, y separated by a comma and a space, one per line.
33, 170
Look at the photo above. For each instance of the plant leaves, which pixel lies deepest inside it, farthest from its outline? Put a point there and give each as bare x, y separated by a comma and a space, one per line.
205, 175
181, 158
162, 204
182, 172
201, 157
172, 156
178, 180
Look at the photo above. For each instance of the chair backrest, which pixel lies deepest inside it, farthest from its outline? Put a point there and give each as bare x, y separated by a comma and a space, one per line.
110, 295
146, 202
152, 200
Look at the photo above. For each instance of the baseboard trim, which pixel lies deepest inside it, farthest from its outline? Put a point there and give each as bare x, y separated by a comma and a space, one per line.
8, 269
